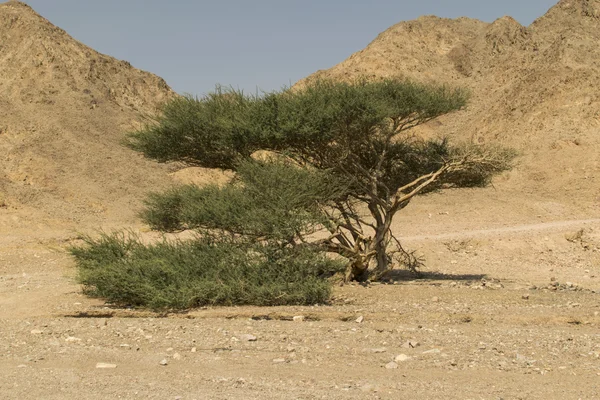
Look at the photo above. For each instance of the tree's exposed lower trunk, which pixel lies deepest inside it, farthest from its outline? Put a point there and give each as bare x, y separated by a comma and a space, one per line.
375, 262
358, 269
382, 259
372, 260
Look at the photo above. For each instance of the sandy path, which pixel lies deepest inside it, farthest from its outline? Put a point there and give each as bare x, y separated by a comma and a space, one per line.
514, 229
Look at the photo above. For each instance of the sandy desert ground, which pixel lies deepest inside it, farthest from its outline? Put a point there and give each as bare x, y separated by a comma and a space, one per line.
504, 311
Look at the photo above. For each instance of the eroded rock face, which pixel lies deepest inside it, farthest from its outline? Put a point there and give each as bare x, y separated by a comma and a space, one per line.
65, 108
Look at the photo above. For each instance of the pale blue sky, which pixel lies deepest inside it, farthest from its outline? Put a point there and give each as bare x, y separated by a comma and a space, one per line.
250, 43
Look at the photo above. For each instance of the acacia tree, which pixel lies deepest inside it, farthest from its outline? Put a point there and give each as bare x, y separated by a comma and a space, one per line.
354, 141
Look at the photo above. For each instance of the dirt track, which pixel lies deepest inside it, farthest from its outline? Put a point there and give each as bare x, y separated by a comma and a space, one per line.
524, 229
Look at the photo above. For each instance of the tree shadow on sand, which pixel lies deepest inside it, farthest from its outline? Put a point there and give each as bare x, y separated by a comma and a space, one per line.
403, 275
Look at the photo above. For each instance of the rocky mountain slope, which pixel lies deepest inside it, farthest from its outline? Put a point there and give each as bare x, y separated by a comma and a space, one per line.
65, 108
533, 88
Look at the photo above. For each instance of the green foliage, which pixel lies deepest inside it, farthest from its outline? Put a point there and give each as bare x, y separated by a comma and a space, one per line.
204, 271
352, 114
214, 131
324, 121
481, 165
270, 200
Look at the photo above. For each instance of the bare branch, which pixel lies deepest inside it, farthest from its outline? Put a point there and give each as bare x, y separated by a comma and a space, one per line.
422, 183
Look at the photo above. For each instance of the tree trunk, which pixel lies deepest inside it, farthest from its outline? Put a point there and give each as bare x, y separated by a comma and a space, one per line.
381, 242
358, 270
374, 261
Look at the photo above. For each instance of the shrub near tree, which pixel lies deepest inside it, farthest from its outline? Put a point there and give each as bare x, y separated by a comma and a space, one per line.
341, 163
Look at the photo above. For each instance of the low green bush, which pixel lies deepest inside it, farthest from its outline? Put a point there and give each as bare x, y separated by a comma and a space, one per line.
204, 271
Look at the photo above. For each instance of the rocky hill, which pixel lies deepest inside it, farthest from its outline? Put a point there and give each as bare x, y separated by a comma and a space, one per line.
533, 88
65, 108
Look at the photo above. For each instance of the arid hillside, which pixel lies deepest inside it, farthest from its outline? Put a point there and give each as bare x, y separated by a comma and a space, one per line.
533, 88
64, 109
